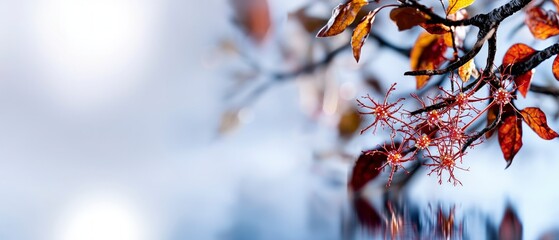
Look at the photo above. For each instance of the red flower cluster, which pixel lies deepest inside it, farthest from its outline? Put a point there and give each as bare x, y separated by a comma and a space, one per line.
438, 133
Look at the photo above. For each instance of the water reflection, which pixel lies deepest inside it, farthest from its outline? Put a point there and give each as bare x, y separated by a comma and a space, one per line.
389, 218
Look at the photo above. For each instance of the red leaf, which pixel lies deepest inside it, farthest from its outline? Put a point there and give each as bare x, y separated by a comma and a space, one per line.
367, 168
511, 227
510, 137
361, 32
555, 67
427, 53
342, 16
507, 111
537, 121
518, 53
543, 24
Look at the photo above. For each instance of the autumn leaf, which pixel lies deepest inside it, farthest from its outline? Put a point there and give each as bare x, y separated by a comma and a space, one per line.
349, 123
435, 28
455, 5
342, 16
506, 111
511, 227
555, 67
518, 53
510, 137
466, 70
543, 24
367, 168
427, 53
253, 16
407, 17
536, 120
361, 32
309, 23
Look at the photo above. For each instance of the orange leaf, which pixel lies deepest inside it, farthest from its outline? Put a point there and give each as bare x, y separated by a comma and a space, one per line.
435, 28
510, 137
518, 53
407, 17
537, 121
455, 5
555, 67
523, 82
253, 16
427, 53
543, 24
361, 32
466, 70
342, 16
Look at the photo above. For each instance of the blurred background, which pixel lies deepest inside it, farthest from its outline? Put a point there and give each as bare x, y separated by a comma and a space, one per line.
144, 119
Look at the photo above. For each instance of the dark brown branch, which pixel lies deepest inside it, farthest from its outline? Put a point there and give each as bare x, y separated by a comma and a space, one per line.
534, 60
311, 67
384, 43
461, 61
434, 106
545, 90
499, 14
487, 24
330, 56
487, 72
434, 17
479, 134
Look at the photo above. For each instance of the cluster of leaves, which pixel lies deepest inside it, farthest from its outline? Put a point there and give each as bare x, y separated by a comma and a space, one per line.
439, 133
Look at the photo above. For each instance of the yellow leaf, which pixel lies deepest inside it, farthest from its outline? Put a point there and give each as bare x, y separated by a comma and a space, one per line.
455, 5
361, 33
466, 70
349, 123
342, 16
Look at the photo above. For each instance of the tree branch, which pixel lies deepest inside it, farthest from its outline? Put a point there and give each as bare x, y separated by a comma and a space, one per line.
482, 38
545, 90
534, 60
